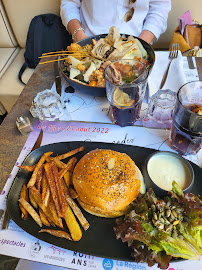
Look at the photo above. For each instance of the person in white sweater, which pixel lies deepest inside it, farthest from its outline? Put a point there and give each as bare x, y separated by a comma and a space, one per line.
146, 19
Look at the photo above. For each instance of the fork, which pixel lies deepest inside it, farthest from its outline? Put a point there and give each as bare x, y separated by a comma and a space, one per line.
172, 55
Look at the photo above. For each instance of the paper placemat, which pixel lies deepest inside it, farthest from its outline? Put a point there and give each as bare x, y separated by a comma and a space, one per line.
16, 242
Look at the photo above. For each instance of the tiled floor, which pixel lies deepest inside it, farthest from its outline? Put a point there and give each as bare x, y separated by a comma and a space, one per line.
8, 263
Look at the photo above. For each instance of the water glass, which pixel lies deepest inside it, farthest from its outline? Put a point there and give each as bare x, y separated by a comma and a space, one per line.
49, 106
160, 109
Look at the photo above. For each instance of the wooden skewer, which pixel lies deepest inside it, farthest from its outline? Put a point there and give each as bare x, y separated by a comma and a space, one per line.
51, 61
53, 52
73, 54
63, 52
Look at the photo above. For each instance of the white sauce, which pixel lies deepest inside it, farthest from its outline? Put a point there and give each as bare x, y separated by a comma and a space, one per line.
165, 168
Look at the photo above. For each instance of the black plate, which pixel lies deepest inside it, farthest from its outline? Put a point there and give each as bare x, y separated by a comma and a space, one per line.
99, 239
101, 91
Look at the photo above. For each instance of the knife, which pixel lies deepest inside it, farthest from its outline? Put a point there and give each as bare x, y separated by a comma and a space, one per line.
6, 218
190, 62
38, 141
57, 79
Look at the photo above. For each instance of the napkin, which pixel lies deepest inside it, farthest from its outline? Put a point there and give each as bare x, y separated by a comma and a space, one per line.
175, 78
178, 38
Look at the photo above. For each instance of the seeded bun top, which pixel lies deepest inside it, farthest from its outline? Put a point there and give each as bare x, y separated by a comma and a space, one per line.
106, 182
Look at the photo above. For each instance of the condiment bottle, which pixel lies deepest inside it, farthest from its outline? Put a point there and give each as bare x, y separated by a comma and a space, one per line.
24, 125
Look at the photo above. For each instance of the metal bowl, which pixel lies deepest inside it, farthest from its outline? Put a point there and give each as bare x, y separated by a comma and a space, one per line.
100, 91
152, 184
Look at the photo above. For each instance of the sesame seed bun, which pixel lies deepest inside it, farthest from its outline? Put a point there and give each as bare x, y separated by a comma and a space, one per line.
106, 182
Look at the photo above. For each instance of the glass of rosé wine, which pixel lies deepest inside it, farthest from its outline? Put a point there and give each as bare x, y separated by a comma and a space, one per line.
186, 130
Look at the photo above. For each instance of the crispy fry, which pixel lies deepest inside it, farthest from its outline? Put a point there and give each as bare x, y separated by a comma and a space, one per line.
53, 211
52, 185
39, 178
45, 190
75, 208
46, 209
31, 211
67, 178
69, 167
60, 164
61, 195
32, 180
46, 199
24, 195
43, 217
32, 200
72, 225
27, 168
57, 233
73, 193
70, 153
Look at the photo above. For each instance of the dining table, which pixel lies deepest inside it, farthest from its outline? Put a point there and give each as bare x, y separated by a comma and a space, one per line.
11, 140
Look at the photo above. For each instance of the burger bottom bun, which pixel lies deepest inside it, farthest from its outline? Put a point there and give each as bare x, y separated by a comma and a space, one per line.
93, 210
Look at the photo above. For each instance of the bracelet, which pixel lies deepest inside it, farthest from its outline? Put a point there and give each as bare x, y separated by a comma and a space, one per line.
76, 30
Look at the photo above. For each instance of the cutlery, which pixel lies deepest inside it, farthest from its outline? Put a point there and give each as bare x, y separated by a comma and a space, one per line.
190, 62
57, 79
6, 217
38, 141
172, 55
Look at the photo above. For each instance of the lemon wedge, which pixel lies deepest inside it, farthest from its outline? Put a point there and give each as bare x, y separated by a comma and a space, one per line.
121, 98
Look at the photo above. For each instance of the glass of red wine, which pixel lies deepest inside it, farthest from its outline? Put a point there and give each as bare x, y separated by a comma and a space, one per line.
186, 130
125, 82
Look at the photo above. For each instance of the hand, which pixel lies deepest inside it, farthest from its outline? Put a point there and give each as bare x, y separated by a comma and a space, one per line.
79, 36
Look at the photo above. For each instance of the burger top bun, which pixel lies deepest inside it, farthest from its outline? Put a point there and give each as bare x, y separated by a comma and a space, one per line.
106, 182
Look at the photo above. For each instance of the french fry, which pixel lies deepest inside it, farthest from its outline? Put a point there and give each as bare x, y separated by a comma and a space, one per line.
67, 178
45, 209
32, 200
57, 233
45, 194
69, 167
43, 217
75, 208
27, 168
70, 153
39, 178
53, 211
31, 211
32, 180
72, 225
73, 193
61, 195
60, 164
52, 185
24, 195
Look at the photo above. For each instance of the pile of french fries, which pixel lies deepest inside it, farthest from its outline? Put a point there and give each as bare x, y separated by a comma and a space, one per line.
49, 199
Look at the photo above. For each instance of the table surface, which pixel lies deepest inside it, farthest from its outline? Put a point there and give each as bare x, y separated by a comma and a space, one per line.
11, 141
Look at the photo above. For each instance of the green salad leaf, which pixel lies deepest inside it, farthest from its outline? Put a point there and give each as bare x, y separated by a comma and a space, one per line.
159, 229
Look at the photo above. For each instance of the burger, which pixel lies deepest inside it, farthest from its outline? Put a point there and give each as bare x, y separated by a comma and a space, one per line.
106, 182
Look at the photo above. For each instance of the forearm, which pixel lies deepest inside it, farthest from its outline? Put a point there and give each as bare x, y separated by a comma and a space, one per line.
156, 19
72, 26
147, 36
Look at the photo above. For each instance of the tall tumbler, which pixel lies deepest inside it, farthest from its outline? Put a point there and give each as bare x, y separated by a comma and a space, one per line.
125, 82
186, 130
